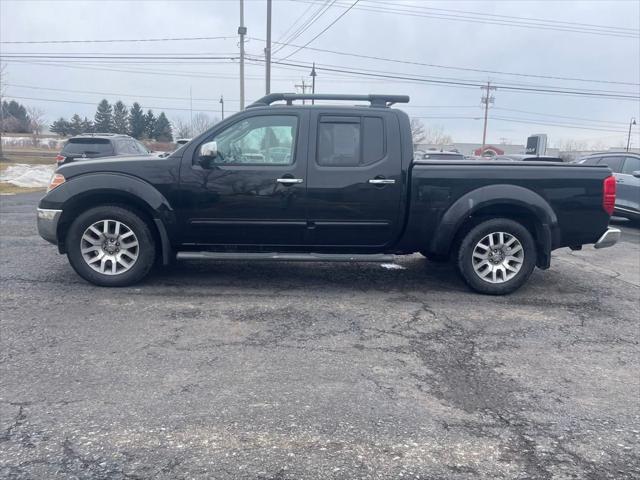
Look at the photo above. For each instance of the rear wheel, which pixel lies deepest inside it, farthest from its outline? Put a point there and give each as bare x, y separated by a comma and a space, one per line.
110, 246
497, 256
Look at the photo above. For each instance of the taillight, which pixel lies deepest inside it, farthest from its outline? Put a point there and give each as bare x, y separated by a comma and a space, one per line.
55, 181
609, 194
59, 158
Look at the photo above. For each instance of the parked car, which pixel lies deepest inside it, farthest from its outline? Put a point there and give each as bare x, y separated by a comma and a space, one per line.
182, 141
436, 155
98, 145
322, 183
626, 169
526, 158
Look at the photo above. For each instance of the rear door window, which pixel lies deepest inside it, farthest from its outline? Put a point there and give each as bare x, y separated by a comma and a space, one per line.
614, 163
631, 164
350, 141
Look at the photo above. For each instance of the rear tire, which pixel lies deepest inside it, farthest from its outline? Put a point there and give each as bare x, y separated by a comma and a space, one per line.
110, 246
497, 256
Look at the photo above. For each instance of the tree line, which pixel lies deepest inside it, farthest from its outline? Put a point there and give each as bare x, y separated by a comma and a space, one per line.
118, 119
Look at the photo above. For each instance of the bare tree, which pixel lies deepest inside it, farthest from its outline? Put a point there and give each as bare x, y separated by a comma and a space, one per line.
37, 122
572, 145
3, 87
417, 131
201, 122
181, 128
436, 136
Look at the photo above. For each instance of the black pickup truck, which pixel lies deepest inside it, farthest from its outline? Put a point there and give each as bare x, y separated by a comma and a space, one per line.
323, 183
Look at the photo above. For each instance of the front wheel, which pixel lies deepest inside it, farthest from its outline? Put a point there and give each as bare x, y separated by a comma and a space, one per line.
110, 246
497, 256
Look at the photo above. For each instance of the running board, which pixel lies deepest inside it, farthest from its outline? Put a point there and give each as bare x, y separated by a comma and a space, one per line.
287, 257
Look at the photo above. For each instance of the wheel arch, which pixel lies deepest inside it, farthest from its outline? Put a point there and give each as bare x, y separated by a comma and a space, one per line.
83, 193
499, 201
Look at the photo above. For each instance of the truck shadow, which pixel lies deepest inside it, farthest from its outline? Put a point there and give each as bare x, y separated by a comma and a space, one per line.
410, 273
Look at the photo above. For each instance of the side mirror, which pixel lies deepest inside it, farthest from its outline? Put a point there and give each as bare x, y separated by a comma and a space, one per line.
209, 150
636, 173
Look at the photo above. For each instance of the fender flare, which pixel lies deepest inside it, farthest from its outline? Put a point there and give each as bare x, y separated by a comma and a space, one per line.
141, 194
547, 233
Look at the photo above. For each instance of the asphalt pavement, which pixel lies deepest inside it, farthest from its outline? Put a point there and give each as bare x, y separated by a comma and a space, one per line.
316, 371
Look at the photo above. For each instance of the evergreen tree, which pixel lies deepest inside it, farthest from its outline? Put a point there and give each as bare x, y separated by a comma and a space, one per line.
149, 124
103, 121
120, 120
15, 118
87, 125
75, 126
162, 131
136, 121
61, 127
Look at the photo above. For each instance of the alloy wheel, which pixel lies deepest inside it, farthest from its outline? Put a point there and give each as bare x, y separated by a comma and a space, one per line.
497, 257
109, 247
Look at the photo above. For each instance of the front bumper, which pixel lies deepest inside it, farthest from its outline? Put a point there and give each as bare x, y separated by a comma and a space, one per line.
608, 238
48, 224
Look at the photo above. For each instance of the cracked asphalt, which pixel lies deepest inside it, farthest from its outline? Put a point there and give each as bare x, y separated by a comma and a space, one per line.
330, 371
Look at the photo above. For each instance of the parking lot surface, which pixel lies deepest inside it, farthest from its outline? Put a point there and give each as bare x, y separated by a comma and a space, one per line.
293, 370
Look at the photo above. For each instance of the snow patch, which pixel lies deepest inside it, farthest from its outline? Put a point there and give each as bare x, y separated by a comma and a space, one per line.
27, 176
392, 266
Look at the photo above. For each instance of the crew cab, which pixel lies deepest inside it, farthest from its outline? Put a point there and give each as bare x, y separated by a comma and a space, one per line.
322, 183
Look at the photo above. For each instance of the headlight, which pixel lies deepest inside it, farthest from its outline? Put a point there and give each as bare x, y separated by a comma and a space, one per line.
56, 180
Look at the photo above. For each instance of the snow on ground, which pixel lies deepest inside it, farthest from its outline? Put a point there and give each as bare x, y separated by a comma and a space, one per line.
25, 142
27, 176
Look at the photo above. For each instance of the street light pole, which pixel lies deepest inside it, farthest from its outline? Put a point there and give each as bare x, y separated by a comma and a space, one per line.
267, 51
313, 81
632, 122
242, 31
222, 103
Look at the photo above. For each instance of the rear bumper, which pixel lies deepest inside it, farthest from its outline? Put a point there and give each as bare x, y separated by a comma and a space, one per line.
608, 238
48, 224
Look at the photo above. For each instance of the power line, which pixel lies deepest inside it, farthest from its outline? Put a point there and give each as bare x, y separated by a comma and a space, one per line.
433, 79
115, 94
416, 12
166, 39
94, 104
610, 122
467, 69
511, 17
315, 16
324, 30
403, 76
555, 124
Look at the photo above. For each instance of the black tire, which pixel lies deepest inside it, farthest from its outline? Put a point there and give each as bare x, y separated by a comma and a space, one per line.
478, 233
146, 249
434, 257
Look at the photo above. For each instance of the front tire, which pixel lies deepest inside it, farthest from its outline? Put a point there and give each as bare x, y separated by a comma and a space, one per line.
497, 256
110, 246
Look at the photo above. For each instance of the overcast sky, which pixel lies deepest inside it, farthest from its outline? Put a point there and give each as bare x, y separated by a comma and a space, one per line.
421, 35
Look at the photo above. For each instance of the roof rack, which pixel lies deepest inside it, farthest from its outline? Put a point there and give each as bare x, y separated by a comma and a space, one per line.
375, 100
101, 134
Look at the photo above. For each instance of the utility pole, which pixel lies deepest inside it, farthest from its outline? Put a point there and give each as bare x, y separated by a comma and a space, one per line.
313, 80
303, 86
242, 31
222, 103
632, 122
267, 51
486, 100
190, 112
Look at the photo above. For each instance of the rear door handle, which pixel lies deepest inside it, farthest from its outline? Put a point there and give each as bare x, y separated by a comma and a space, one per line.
289, 181
382, 181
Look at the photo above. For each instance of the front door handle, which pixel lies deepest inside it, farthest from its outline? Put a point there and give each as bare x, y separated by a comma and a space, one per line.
382, 181
289, 181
